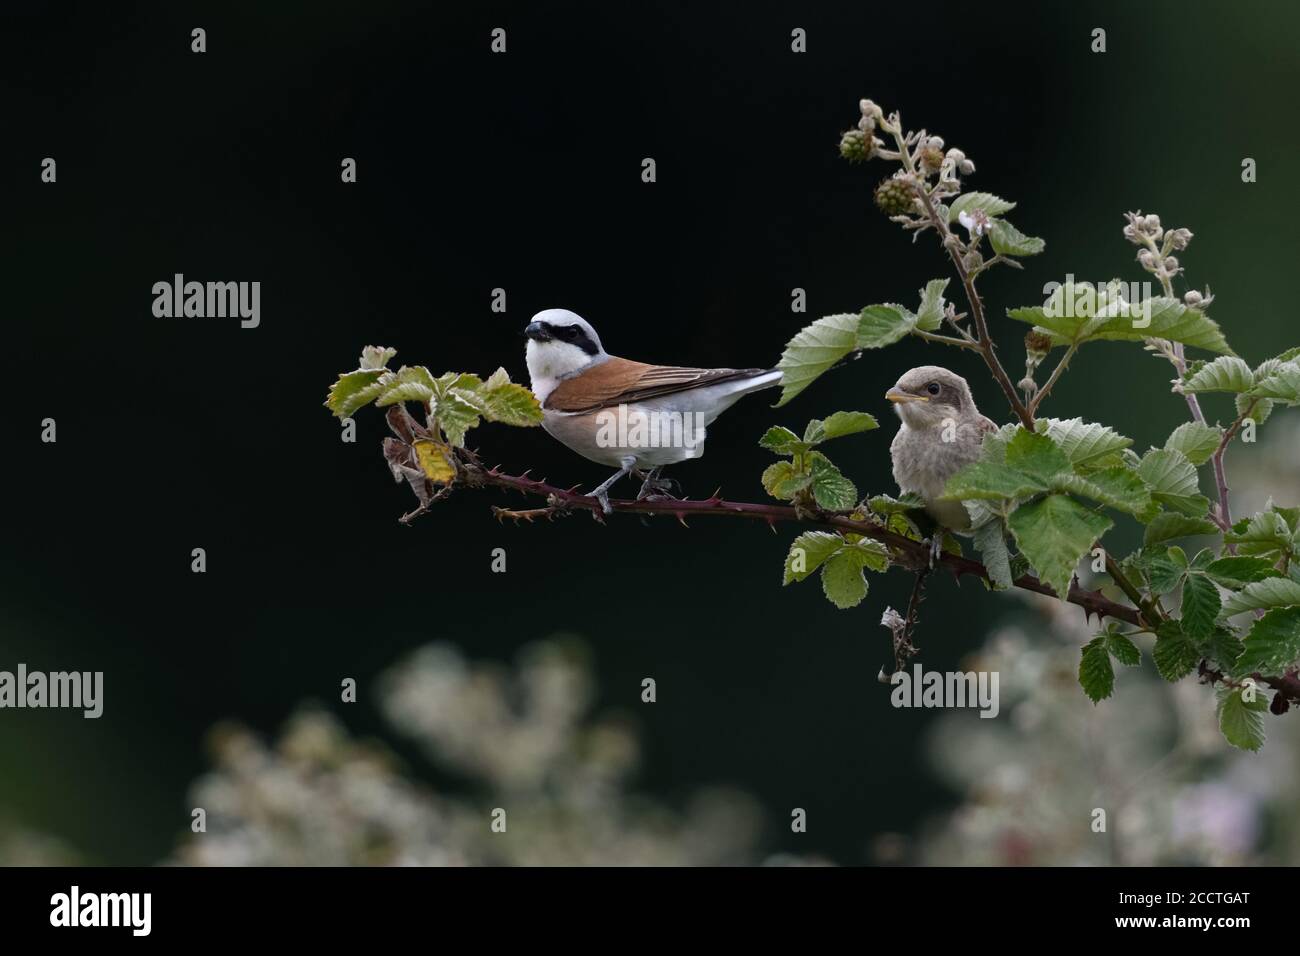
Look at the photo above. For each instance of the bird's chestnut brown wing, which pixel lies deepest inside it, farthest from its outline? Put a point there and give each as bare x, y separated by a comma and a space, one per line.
620, 381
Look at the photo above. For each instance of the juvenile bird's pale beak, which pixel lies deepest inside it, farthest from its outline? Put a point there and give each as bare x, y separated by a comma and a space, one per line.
895, 395
537, 331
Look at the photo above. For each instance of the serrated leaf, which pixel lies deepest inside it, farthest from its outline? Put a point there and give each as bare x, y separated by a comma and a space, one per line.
1007, 240
992, 205
1259, 408
375, 357
1096, 674
930, 316
782, 480
1223, 647
814, 350
1273, 644
1200, 608
1169, 319
1270, 592
1123, 649
1197, 441
455, 415
1242, 721
1118, 487
808, 552
1168, 525
987, 480
1163, 573
782, 441
1172, 480
1225, 374
832, 490
1174, 653
881, 325
847, 423
355, 390
990, 539
1083, 442
885, 505
435, 460
508, 402
1054, 533
842, 579
1283, 385
1036, 455
1238, 570
1264, 533
411, 383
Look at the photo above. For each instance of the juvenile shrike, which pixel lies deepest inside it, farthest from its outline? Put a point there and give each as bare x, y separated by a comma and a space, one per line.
628, 415
941, 433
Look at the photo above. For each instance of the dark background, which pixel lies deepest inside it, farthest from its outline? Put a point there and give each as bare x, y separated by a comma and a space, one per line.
523, 171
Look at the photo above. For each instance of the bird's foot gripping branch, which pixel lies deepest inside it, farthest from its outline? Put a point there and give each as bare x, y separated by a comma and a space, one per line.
1205, 595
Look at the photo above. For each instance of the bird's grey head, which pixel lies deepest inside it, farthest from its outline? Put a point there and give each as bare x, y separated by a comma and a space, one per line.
560, 343
929, 395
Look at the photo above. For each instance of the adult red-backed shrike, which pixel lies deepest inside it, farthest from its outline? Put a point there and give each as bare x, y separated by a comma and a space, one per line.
628, 415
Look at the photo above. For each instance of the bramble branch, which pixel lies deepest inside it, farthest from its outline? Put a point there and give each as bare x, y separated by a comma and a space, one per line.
910, 553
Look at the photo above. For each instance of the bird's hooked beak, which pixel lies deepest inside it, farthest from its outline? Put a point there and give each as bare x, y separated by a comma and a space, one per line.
898, 396
538, 332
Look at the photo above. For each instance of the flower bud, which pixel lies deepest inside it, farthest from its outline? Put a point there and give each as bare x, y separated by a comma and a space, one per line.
934, 142
1148, 259
1192, 299
1151, 226
870, 110
966, 167
1181, 238
1171, 265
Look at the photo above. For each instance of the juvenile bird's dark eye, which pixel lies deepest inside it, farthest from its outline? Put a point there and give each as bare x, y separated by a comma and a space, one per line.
933, 388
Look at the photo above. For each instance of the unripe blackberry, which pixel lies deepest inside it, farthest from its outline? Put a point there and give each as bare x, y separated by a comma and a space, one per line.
1037, 345
931, 159
895, 197
856, 146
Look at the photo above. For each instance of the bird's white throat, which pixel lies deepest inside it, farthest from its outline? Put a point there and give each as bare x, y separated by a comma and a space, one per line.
550, 363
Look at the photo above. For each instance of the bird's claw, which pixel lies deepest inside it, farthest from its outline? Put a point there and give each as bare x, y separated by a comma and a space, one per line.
936, 548
603, 497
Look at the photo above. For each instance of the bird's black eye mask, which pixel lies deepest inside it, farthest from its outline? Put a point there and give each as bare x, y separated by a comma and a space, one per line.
573, 334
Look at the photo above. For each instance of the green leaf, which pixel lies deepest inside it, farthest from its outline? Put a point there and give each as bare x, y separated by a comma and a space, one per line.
375, 357
1225, 374
1096, 674
885, 505
842, 579
1007, 240
1123, 649
1200, 606
1174, 653
1242, 721
1259, 408
1117, 487
1283, 385
832, 490
1238, 571
1270, 592
1172, 480
992, 205
1168, 525
881, 325
1083, 442
1054, 533
782, 480
847, 423
1169, 319
808, 552
1163, 573
814, 350
455, 415
1222, 647
1036, 456
990, 539
983, 479
1262, 534
508, 402
930, 316
1273, 643
355, 390
1195, 440
411, 383
782, 441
